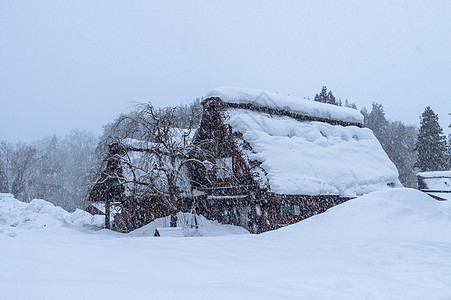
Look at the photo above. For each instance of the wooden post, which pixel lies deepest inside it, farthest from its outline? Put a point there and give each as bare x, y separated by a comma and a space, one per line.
107, 213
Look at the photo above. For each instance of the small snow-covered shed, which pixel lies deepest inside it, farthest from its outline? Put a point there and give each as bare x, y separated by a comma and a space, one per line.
284, 158
436, 184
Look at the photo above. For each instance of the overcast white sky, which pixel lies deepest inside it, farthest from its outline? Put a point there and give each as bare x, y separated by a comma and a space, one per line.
78, 64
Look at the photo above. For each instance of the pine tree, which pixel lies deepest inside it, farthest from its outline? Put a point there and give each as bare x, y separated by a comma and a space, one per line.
321, 97
397, 140
431, 144
350, 104
331, 98
326, 97
449, 146
376, 121
400, 148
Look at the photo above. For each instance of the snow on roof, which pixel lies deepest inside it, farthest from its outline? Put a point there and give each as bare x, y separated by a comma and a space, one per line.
436, 180
435, 174
313, 158
286, 102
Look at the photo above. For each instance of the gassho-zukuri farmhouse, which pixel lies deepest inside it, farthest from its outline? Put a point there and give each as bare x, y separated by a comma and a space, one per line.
282, 158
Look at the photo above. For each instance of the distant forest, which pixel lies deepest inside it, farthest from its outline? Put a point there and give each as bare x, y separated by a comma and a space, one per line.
410, 148
62, 169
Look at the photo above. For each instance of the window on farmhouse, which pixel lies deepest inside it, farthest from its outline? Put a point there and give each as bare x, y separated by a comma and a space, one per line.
285, 210
296, 210
290, 210
224, 167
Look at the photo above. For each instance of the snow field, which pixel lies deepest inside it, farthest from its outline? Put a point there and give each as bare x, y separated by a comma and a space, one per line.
392, 244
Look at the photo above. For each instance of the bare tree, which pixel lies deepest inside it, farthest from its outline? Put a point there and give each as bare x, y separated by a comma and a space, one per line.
152, 159
5, 157
22, 159
109, 186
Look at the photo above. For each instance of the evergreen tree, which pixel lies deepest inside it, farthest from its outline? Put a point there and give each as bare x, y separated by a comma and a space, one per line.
376, 121
326, 97
350, 104
400, 148
331, 98
321, 97
431, 144
397, 140
449, 146
449, 151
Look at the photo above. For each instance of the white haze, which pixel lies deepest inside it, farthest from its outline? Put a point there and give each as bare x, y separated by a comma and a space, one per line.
78, 64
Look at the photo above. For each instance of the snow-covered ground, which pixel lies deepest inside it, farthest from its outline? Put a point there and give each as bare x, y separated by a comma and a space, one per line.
187, 223
392, 244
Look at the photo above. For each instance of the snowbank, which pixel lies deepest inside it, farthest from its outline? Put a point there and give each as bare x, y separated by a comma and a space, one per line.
396, 214
279, 101
313, 158
16, 216
392, 244
187, 222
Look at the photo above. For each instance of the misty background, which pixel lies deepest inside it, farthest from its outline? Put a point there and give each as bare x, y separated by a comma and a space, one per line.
66, 64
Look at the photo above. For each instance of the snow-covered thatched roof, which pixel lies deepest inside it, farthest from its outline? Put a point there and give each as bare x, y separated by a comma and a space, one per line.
286, 102
307, 157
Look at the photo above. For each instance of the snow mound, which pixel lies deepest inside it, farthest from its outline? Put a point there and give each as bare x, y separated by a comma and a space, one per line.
205, 227
313, 158
395, 214
392, 244
286, 102
40, 214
